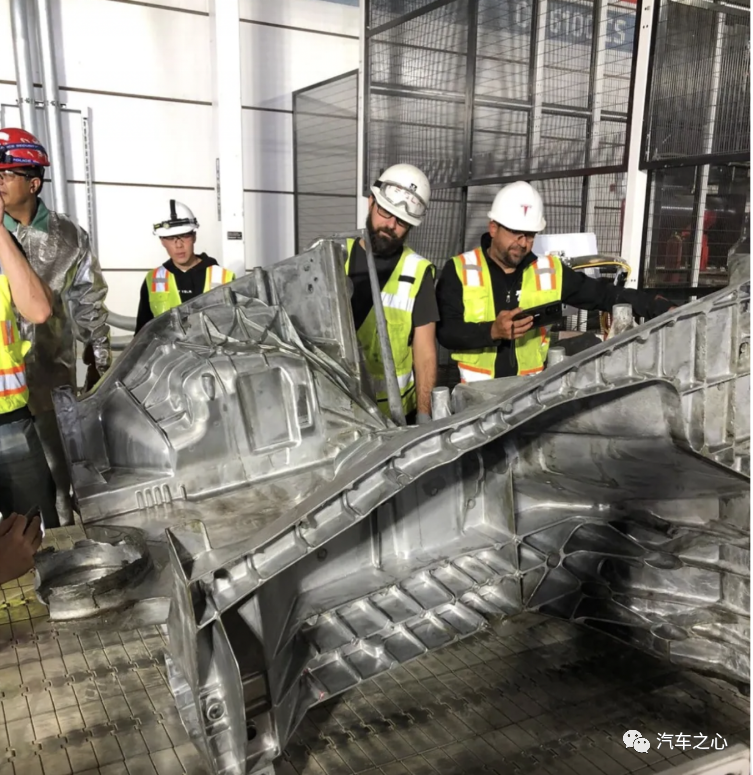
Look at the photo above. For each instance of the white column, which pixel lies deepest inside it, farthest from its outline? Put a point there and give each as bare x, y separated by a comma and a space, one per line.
708, 145
362, 202
24, 74
637, 179
226, 59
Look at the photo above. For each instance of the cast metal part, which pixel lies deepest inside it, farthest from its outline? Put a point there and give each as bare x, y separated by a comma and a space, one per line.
304, 543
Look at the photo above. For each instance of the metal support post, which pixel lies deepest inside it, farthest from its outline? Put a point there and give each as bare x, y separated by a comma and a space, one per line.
598, 62
226, 57
388, 362
362, 202
536, 80
22, 56
52, 107
637, 178
86, 120
708, 146
470, 95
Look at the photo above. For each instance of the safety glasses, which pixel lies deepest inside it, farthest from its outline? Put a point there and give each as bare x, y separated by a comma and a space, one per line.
386, 214
8, 174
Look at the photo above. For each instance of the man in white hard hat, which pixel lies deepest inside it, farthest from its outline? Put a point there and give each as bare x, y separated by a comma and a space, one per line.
483, 291
398, 202
185, 274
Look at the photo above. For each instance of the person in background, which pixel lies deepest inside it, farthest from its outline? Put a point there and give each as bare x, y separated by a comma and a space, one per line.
25, 478
60, 252
398, 202
19, 540
482, 292
185, 274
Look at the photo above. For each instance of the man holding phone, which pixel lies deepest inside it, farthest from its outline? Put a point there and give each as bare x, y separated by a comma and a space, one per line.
495, 301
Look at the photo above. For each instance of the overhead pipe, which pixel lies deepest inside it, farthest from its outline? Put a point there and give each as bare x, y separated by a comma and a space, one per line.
22, 59
122, 322
52, 110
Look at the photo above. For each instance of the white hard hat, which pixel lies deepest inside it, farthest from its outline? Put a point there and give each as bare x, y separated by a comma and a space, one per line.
404, 191
180, 221
518, 207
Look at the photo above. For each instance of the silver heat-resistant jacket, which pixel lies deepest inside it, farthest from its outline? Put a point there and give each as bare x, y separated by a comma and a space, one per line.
61, 255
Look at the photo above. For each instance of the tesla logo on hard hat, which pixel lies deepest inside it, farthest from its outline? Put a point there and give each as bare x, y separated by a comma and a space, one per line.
526, 208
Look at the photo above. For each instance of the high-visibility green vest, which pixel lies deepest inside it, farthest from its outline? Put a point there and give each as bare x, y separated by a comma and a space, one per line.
14, 393
398, 297
542, 284
163, 289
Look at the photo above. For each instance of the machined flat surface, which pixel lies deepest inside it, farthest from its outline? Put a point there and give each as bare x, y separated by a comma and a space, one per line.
532, 695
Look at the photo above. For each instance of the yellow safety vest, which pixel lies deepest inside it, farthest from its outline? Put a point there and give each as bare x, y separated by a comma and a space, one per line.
14, 393
398, 297
163, 290
542, 284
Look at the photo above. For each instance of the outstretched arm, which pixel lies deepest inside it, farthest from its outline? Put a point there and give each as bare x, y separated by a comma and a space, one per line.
31, 295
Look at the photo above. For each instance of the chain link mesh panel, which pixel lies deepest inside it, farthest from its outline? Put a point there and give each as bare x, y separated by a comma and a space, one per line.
700, 90
689, 236
325, 126
417, 76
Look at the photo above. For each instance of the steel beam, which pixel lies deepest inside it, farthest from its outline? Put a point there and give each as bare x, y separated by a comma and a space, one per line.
226, 58
637, 178
708, 146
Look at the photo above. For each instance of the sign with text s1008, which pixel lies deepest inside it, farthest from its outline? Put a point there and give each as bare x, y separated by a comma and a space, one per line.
573, 23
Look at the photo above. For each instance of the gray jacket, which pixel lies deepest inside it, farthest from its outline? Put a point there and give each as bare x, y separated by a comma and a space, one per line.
59, 251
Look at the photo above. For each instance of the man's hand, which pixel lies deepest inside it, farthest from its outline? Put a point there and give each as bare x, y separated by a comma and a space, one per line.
19, 540
504, 327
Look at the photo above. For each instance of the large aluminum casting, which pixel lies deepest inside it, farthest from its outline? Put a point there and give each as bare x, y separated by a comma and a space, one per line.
232, 468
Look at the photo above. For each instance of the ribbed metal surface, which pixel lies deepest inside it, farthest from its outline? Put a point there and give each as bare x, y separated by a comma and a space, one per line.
530, 696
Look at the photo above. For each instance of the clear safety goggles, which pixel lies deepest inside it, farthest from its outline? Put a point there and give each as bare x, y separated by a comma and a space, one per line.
402, 198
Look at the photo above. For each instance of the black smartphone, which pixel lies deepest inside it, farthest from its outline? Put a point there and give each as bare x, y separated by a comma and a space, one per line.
543, 315
34, 511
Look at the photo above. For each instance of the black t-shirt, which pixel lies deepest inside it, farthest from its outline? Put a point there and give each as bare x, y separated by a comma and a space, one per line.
578, 290
425, 309
190, 284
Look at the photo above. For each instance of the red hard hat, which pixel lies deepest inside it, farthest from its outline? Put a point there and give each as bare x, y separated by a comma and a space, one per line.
19, 148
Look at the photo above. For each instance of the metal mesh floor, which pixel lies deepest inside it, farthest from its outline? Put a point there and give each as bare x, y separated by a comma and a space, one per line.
531, 695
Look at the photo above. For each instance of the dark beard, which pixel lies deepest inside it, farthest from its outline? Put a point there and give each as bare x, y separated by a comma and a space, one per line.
385, 242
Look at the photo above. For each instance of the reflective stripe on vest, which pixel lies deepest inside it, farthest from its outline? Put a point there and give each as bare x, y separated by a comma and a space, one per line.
541, 284
9, 337
217, 276
163, 288
12, 381
160, 280
14, 392
398, 299
473, 268
404, 381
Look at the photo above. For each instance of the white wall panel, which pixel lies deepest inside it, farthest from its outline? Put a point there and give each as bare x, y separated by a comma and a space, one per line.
148, 141
269, 228
309, 14
123, 297
276, 62
268, 158
134, 49
7, 68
